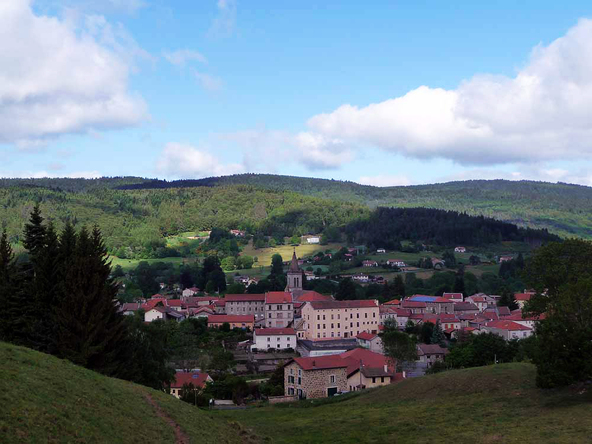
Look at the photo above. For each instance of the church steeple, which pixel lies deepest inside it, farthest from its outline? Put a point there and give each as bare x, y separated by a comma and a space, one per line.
294, 275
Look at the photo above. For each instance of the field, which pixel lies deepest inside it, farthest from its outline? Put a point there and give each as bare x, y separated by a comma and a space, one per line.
495, 404
128, 264
264, 255
44, 399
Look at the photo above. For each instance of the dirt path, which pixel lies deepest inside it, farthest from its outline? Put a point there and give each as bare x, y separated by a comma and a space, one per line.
180, 436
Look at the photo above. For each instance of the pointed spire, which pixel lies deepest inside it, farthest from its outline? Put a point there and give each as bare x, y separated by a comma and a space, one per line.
294, 268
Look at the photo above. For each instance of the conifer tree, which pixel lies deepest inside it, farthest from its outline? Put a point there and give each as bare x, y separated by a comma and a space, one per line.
437, 335
91, 332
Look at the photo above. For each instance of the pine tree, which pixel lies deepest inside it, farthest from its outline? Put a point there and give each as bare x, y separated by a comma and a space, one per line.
399, 286
507, 299
91, 332
437, 335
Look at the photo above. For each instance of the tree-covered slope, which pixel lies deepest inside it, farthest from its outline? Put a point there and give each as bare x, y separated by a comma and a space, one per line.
493, 404
45, 399
562, 208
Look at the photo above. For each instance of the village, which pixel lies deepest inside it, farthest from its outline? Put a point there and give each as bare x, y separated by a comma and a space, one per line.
329, 347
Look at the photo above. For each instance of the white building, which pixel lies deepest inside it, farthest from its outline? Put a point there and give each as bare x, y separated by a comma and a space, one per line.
313, 240
277, 338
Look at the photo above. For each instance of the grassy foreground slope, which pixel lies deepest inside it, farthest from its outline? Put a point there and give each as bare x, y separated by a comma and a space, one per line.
496, 404
45, 399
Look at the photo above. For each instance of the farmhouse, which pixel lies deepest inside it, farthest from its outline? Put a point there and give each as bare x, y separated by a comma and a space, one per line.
197, 378
276, 338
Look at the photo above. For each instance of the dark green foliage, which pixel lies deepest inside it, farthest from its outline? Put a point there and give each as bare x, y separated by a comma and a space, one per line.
564, 347
274, 386
399, 347
346, 290
438, 335
507, 299
478, 350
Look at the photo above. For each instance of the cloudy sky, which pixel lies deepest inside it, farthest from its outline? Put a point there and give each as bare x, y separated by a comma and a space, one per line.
378, 92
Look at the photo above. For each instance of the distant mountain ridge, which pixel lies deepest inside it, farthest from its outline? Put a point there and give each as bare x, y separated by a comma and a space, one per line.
564, 209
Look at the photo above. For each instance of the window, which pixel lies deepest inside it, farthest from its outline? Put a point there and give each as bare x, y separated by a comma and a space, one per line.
332, 325
358, 315
331, 317
332, 379
318, 326
290, 379
374, 314
291, 371
373, 380
382, 379
318, 317
338, 325
366, 315
290, 390
268, 339
323, 317
299, 380
358, 324
324, 326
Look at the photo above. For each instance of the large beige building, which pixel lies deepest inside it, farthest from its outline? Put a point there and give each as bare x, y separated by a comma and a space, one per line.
279, 309
245, 304
339, 319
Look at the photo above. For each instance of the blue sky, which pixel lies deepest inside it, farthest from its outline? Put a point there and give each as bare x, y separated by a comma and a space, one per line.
379, 92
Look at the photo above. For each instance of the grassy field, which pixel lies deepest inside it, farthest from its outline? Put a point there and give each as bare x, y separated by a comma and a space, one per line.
495, 404
264, 255
127, 264
44, 399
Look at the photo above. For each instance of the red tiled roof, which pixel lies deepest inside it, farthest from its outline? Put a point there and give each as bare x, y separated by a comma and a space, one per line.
477, 299
366, 336
393, 302
237, 319
518, 316
198, 379
403, 312
244, 297
275, 331
326, 305
431, 349
174, 303
131, 306
149, 305
220, 303
278, 297
441, 301
452, 295
311, 296
523, 296
507, 325
366, 358
321, 362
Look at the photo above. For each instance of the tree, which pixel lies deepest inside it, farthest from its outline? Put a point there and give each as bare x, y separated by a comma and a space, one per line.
426, 333
449, 258
277, 264
438, 335
228, 263
507, 299
244, 262
399, 347
398, 286
118, 272
90, 330
346, 290
561, 275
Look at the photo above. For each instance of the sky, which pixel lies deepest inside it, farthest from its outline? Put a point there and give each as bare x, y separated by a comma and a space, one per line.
377, 92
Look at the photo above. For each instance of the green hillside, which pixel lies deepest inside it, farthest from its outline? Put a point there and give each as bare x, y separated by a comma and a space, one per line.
495, 404
562, 208
44, 399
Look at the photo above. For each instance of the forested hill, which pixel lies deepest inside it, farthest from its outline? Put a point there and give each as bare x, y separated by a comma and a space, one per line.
561, 208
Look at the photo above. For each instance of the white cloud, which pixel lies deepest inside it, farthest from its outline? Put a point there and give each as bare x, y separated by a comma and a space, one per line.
225, 22
384, 180
59, 76
543, 113
182, 56
208, 82
98, 6
185, 161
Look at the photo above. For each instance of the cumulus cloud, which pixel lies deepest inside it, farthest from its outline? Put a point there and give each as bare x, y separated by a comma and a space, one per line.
225, 21
543, 113
182, 56
185, 161
384, 180
59, 76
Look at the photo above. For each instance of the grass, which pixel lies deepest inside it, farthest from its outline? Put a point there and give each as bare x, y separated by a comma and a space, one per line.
264, 254
495, 404
128, 264
45, 399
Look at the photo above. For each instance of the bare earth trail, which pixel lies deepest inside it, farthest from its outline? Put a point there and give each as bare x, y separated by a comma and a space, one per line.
180, 436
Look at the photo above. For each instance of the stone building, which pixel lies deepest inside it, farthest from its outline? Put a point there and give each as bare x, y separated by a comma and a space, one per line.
245, 304
317, 377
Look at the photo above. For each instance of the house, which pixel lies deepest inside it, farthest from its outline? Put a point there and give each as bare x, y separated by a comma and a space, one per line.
279, 309
311, 296
129, 308
197, 378
190, 291
220, 306
245, 304
368, 369
176, 304
447, 321
505, 259
325, 376
519, 318
508, 329
460, 250
371, 341
380, 251
461, 308
480, 301
163, 313
363, 278
276, 338
313, 240
369, 263
348, 257
416, 307
315, 377
396, 263
454, 297
387, 312
430, 353
340, 319
200, 312
235, 321
395, 302
403, 315
523, 298
238, 233
199, 301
